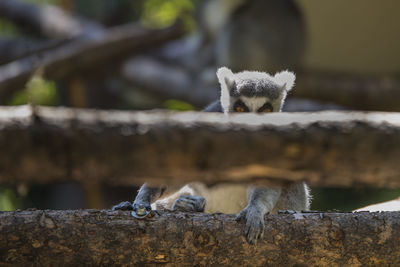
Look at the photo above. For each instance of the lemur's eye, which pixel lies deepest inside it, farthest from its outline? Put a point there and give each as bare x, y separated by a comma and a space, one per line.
266, 108
239, 106
239, 109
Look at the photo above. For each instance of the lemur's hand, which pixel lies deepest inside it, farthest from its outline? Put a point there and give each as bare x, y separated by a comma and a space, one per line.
189, 203
254, 228
140, 209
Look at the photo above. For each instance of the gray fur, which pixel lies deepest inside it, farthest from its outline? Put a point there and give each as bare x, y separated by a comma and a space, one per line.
214, 107
255, 88
251, 87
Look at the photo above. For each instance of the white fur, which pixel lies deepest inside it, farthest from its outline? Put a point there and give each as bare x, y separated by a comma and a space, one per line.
223, 74
254, 103
285, 78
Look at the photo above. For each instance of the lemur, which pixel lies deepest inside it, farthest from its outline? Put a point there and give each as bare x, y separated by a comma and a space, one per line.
247, 91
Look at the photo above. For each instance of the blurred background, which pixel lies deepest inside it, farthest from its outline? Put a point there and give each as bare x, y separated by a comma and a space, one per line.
163, 54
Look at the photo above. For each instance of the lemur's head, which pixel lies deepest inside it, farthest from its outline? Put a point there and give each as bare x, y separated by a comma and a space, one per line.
253, 91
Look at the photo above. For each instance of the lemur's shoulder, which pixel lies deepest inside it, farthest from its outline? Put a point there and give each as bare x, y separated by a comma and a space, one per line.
214, 107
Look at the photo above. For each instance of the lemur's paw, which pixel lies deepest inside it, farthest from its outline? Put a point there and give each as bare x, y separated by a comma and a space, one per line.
189, 203
140, 209
254, 228
126, 205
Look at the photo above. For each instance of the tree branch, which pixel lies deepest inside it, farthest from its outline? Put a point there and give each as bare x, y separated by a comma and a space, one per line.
48, 20
91, 237
167, 81
84, 53
129, 148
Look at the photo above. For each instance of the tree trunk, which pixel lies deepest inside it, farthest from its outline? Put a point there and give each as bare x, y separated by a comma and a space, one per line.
94, 238
46, 145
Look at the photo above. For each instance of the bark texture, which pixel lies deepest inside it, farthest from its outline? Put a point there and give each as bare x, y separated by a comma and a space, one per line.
128, 148
94, 238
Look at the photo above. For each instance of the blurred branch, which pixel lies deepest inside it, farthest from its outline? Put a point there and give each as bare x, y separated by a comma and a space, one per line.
167, 81
357, 92
128, 148
13, 49
95, 237
47, 20
83, 54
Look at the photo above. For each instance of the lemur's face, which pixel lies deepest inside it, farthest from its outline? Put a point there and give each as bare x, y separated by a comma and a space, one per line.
252, 91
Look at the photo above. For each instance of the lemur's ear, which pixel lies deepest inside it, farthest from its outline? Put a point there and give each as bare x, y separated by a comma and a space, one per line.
286, 79
227, 81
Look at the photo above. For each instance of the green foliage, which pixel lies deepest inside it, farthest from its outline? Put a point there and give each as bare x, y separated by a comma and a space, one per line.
42, 2
8, 200
163, 13
8, 29
38, 91
177, 105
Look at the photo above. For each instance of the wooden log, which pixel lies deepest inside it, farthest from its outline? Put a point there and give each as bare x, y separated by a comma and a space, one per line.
46, 145
105, 238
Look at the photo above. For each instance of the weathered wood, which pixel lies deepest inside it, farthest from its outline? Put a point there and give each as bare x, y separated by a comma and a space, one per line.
120, 147
83, 54
92, 237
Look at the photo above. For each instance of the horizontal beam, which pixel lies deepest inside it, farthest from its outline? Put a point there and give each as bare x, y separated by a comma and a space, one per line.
92, 237
44, 145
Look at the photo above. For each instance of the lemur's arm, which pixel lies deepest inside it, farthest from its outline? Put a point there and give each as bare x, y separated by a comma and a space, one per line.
261, 200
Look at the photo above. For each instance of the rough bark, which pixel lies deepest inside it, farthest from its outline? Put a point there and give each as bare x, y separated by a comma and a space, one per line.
91, 237
83, 54
324, 149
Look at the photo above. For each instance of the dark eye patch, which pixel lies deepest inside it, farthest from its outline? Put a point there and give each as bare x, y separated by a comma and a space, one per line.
267, 107
239, 106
